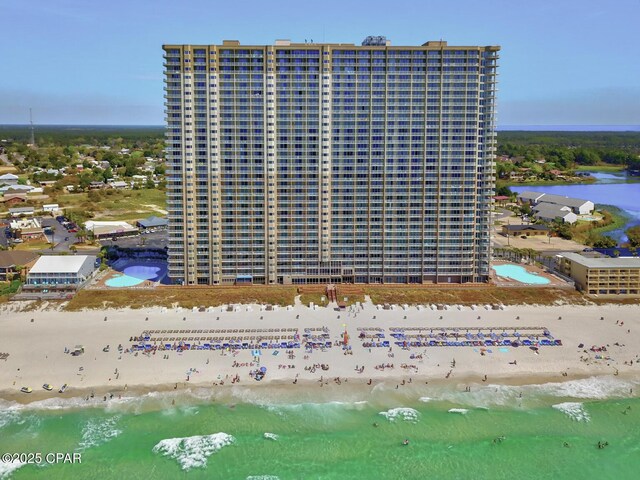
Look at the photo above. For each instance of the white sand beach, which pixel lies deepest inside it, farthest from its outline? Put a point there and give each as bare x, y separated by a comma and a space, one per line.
35, 342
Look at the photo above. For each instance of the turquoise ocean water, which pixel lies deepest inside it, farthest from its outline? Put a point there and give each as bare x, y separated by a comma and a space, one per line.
491, 432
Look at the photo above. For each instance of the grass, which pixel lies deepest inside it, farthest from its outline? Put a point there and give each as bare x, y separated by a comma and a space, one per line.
538, 183
480, 295
116, 204
7, 289
187, 297
35, 245
600, 168
613, 219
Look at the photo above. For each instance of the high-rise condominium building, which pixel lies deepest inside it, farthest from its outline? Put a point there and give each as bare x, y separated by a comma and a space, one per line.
316, 163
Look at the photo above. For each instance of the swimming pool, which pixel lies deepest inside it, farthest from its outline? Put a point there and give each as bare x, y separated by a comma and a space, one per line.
135, 274
520, 274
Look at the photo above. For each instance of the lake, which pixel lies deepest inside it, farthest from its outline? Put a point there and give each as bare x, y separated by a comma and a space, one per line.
611, 188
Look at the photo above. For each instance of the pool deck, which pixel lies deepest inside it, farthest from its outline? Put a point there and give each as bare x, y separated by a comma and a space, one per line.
510, 282
101, 281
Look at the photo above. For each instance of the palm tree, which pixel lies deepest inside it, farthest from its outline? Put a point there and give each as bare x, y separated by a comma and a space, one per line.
82, 234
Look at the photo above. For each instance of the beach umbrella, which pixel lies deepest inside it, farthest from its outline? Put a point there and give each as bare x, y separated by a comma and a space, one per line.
263, 369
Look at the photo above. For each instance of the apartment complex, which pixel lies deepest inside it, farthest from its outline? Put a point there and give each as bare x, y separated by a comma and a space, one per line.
602, 276
317, 163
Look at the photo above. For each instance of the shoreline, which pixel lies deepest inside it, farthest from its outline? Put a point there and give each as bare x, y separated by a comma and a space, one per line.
149, 398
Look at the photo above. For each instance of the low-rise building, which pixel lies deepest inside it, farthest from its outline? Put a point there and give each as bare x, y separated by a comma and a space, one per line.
15, 189
110, 229
50, 207
11, 199
26, 228
153, 222
16, 262
577, 205
60, 272
8, 179
21, 211
549, 212
604, 276
528, 230
119, 184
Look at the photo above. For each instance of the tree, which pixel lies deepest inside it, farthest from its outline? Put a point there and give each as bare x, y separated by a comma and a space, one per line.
504, 191
633, 234
587, 157
563, 230
603, 241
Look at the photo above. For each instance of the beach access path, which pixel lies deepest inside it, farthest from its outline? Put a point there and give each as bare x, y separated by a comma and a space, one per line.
38, 345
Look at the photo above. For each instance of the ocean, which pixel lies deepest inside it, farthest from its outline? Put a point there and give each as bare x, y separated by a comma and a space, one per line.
546, 431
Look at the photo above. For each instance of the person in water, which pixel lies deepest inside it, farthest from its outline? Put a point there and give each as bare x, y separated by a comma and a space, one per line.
405, 442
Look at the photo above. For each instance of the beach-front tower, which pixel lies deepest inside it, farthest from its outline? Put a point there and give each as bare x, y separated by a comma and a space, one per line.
324, 163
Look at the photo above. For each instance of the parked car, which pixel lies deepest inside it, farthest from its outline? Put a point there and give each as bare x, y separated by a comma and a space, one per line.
63, 388
47, 387
26, 389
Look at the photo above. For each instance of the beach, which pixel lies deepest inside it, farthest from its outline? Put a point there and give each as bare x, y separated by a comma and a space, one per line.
442, 411
39, 344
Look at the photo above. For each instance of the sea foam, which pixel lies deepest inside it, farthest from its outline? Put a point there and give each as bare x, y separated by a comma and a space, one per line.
403, 413
574, 410
271, 436
6, 469
193, 452
461, 411
98, 431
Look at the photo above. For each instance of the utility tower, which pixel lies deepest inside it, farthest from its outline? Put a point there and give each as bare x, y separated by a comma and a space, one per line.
32, 139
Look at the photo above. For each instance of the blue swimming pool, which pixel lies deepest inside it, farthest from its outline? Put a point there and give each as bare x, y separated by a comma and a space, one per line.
520, 274
136, 273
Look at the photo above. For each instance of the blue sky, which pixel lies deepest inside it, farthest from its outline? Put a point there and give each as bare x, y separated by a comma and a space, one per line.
100, 62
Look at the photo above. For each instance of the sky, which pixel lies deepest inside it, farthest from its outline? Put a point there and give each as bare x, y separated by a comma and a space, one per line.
563, 62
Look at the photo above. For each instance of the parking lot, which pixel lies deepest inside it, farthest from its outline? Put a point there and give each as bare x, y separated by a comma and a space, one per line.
157, 239
61, 236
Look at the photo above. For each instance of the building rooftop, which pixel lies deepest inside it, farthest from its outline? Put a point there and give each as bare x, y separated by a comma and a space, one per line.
518, 228
21, 210
602, 262
552, 198
559, 199
92, 224
530, 195
551, 209
13, 258
153, 221
59, 263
